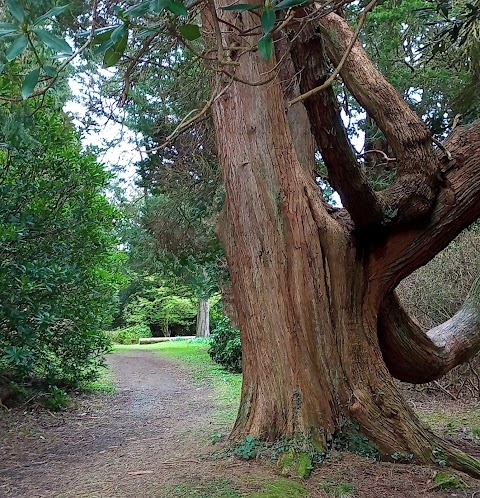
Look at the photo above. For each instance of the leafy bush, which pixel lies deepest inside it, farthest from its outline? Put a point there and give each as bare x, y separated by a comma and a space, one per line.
225, 346
58, 255
56, 399
126, 335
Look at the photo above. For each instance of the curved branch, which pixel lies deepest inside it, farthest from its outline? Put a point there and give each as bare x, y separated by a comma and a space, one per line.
411, 355
457, 206
345, 174
412, 195
329, 82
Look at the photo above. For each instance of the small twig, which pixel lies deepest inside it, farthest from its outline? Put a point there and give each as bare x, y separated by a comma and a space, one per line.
175, 462
361, 21
442, 148
474, 372
218, 32
131, 66
246, 82
31, 399
273, 72
283, 24
187, 122
375, 151
446, 391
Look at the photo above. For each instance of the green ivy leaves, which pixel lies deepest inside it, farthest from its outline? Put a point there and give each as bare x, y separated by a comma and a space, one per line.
119, 39
287, 4
56, 11
267, 20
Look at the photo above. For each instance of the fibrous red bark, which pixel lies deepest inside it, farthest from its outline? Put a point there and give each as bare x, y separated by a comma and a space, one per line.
313, 294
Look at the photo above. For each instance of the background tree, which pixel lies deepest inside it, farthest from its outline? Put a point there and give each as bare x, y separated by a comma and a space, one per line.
167, 311
170, 259
182, 182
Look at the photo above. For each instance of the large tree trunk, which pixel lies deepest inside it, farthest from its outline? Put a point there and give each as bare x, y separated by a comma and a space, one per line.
203, 318
228, 304
308, 290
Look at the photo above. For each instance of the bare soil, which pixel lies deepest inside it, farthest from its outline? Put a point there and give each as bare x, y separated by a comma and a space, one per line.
152, 435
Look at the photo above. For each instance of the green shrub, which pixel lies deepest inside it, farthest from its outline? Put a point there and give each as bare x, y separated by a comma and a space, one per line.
225, 346
58, 251
127, 335
56, 399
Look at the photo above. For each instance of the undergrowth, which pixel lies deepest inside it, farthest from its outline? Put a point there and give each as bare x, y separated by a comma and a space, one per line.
51, 396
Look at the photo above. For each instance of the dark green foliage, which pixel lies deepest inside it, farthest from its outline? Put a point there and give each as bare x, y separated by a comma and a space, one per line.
128, 335
225, 346
55, 399
23, 35
349, 438
248, 448
57, 252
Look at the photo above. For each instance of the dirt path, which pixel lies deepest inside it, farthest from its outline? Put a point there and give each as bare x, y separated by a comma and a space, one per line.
155, 420
149, 437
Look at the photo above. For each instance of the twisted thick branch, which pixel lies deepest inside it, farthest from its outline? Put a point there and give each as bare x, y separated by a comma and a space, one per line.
415, 356
410, 353
345, 174
457, 206
412, 195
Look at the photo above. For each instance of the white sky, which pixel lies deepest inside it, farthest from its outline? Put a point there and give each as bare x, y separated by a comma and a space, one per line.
120, 158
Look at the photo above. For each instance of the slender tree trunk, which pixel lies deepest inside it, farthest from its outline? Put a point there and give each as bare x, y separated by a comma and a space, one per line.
228, 303
203, 318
